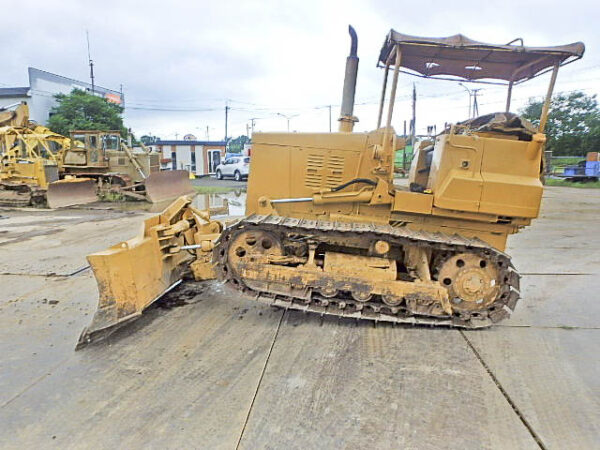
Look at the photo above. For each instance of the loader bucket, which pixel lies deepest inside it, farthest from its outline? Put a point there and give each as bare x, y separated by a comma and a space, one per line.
68, 192
167, 185
134, 274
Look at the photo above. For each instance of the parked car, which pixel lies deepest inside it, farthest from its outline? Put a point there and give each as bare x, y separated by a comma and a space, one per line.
237, 167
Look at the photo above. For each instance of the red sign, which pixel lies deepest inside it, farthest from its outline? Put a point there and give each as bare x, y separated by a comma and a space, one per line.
113, 98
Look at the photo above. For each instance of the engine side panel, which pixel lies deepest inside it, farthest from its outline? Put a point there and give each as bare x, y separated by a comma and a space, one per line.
297, 165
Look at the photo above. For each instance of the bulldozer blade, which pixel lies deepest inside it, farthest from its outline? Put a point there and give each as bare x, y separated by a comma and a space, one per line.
135, 273
167, 185
68, 192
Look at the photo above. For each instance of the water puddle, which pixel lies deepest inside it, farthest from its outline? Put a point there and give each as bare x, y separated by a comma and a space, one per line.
227, 204
232, 203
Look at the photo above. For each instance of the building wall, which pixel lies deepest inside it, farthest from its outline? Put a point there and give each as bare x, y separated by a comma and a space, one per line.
45, 85
182, 152
5, 101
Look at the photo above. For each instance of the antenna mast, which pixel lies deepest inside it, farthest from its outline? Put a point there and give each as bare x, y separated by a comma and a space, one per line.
87, 34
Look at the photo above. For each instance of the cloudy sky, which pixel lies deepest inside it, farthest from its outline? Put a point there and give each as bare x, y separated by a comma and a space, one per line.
181, 62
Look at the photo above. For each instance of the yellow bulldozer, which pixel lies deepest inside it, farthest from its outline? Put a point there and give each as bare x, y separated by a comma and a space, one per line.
30, 163
42, 168
328, 231
104, 157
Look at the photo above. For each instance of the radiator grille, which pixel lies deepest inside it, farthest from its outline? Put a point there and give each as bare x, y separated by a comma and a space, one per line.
323, 171
314, 172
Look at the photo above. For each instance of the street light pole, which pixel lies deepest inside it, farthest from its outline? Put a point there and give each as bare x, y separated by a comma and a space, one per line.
288, 118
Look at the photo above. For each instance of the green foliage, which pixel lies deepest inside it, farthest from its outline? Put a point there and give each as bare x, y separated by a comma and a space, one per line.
82, 111
574, 184
237, 145
573, 126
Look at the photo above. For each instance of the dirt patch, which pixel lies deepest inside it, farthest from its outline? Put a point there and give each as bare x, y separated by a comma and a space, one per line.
188, 292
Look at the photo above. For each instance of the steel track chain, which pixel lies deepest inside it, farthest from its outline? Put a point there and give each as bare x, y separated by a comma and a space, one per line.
374, 311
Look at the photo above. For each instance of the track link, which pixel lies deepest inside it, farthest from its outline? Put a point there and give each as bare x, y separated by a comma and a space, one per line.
16, 195
441, 245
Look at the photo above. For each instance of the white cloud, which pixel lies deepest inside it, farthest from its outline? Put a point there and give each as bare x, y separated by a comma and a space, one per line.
274, 56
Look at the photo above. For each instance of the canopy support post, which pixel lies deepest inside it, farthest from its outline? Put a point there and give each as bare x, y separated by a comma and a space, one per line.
383, 90
546, 107
509, 95
394, 86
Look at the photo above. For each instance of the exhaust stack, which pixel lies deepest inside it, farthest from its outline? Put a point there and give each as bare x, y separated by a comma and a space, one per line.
347, 119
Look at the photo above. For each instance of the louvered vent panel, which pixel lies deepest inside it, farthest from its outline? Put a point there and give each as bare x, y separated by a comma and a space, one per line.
322, 171
335, 172
314, 165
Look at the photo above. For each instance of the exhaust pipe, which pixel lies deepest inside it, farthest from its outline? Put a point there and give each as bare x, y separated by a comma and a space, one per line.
347, 118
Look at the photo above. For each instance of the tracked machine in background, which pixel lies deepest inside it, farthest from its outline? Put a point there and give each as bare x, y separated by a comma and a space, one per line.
41, 168
29, 163
327, 231
115, 167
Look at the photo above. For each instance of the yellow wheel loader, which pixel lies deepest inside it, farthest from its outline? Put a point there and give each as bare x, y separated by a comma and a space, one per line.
104, 157
327, 230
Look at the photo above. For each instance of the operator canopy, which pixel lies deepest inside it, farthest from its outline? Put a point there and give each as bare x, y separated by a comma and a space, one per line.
467, 60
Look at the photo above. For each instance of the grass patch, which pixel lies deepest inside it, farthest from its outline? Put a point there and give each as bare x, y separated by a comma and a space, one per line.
561, 162
108, 196
215, 189
565, 183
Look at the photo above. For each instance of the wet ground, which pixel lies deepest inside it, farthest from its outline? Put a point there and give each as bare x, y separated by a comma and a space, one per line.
218, 371
224, 183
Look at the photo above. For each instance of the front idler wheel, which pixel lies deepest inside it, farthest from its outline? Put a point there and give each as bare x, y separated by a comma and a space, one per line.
471, 281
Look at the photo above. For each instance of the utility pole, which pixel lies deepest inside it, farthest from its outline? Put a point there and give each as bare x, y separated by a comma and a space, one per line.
252, 124
122, 97
248, 130
329, 118
87, 34
404, 149
207, 134
414, 117
226, 120
470, 94
475, 105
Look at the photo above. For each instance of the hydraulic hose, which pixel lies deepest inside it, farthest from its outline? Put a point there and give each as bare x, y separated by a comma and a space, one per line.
355, 181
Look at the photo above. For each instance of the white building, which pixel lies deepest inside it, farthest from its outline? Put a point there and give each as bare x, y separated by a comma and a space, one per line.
43, 86
198, 157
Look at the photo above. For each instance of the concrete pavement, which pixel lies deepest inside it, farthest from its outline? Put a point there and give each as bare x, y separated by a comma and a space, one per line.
219, 371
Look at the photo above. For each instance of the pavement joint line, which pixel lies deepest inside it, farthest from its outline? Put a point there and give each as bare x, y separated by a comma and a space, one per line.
34, 382
507, 397
262, 374
557, 273
549, 327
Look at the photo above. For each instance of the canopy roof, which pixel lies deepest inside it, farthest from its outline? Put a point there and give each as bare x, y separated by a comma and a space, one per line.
467, 60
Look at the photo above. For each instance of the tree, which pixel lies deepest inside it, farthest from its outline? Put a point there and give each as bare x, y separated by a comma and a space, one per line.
80, 110
573, 126
149, 139
237, 145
